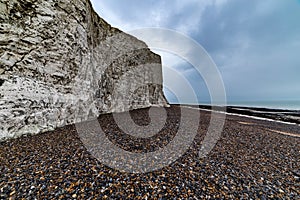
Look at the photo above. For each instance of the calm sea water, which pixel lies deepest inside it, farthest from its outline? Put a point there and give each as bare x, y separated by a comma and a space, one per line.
290, 105
285, 105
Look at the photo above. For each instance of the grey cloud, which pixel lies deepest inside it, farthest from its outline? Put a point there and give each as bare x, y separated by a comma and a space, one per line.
255, 51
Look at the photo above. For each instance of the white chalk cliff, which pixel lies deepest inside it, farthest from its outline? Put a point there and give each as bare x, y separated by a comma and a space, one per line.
60, 63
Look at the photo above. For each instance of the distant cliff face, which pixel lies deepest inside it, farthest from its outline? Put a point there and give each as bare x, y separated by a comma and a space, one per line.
60, 63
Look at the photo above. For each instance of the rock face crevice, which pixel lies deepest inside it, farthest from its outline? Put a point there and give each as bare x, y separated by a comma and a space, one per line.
60, 63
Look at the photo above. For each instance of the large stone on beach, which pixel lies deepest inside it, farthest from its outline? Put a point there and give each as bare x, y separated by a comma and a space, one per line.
60, 63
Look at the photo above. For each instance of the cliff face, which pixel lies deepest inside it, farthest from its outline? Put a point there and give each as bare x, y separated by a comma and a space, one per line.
60, 63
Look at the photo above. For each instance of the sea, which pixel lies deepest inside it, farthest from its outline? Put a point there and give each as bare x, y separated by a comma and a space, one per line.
284, 105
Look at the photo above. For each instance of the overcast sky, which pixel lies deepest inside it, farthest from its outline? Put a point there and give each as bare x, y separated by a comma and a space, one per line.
255, 44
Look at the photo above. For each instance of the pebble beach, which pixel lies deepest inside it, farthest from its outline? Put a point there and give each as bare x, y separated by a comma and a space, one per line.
253, 159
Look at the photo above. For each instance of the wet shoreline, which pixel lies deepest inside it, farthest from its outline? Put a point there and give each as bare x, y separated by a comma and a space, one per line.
284, 115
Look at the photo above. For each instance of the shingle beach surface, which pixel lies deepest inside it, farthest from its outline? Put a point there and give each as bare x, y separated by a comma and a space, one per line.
252, 159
